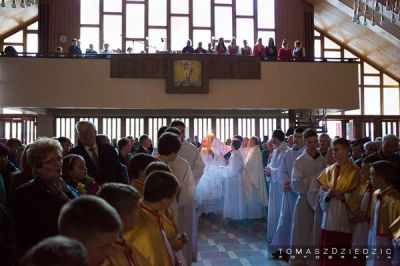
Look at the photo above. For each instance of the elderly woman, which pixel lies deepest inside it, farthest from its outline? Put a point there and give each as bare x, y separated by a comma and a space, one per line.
35, 206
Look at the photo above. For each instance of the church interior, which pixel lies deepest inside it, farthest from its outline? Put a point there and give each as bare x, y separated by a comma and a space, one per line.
249, 82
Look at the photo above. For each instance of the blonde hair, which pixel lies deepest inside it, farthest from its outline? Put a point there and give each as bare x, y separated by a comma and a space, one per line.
40, 148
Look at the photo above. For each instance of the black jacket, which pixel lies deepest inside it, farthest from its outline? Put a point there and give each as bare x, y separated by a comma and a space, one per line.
110, 166
35, 210
140, 149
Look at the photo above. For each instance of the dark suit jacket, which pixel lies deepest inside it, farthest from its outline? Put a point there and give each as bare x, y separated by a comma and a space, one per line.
140, 149
110, 166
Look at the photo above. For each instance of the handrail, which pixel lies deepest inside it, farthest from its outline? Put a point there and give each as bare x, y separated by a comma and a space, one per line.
108, 56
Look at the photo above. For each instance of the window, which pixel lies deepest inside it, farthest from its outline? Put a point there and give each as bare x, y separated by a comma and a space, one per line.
90, 11
223, 22
135, 21
391, 101
266, 14
24, 41
372, 104
180, 19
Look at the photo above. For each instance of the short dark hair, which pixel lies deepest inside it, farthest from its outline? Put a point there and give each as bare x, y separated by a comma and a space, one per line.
388, 171
278, 134
177, 123
298, 130
63, 140
236, 143
256, 140
87, 216
240, 138
342, 142
161, 131
174, 130
169, 143
309, 132
56, 251
156, 166
357, 143
123, 142
122, 197
138, 163
4, 150
370, 159
142, 138
160, 185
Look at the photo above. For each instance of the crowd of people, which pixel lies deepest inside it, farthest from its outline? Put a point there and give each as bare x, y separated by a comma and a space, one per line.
268, 52
126, 202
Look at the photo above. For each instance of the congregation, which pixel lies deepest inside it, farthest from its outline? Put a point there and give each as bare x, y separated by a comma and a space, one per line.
126, 202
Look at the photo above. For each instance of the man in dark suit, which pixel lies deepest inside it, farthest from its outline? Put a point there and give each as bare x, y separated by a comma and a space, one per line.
101, 159
144, 145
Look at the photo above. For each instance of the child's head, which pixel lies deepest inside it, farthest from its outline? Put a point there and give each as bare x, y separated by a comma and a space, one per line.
74, 168
156, 166
340, 149
92, 221
161, 187
56, 251
383, 174
365, 166
124, 198
138, 163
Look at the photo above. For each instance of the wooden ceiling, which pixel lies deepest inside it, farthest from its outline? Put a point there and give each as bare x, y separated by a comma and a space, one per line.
374, 44
13, 18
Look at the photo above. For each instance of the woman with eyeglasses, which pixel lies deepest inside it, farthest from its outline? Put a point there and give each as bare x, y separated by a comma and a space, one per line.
35, 206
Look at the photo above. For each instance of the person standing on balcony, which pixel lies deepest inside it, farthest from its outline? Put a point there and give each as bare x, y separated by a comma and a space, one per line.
75, 49
246, 49
285, 53
233, 48
188, 49
259, 49
271, 51
298, 51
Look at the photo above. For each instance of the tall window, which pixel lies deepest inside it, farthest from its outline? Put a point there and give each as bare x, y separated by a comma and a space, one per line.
24, 41
165, 25
379, 93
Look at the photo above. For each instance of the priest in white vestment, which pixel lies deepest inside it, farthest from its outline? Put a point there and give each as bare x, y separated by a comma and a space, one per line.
254, 181
275, 192
233, 206
281, 238
306, 169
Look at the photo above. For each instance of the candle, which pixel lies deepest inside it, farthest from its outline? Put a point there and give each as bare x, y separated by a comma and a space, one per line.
209, 140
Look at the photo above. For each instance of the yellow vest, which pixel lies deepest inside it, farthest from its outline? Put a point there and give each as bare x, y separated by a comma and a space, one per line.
389, 210
348, 180
146, 236
139, 185
395, 228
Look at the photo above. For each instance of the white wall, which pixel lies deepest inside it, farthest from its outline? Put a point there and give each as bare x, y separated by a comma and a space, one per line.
86, 83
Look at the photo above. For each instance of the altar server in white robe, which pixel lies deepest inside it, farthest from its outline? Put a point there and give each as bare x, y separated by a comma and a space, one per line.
254, 181
234, 207
275, 193
191, 154
313, 200
306, 169
281, 237
168, 147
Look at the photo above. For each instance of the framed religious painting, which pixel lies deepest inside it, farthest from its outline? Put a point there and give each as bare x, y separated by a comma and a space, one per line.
187, 74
